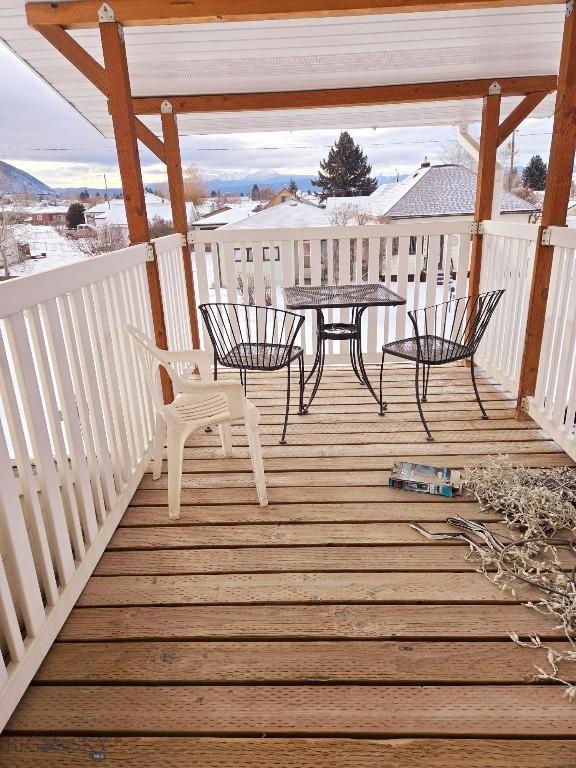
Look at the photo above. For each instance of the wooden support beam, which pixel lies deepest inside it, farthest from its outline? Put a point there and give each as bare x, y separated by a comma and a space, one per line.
83, 13
346, 97
519, 113
120, 103
554, 211
178, 204
485, 179
96, 74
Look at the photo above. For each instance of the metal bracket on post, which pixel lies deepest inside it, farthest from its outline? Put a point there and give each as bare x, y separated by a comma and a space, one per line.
183, 240
166, 107
106, 14
494, 89
150, 253
190, 238
476, 228
569, 8
525, 405
546, 237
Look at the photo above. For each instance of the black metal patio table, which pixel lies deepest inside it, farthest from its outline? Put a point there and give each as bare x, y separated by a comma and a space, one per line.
358, 298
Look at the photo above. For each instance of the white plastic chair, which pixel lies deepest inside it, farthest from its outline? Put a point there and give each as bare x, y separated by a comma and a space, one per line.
198, 403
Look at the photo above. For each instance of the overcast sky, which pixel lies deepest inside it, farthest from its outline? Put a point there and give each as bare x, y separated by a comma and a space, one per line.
42, 134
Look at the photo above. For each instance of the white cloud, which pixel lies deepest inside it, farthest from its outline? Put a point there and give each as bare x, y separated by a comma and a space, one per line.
45, 136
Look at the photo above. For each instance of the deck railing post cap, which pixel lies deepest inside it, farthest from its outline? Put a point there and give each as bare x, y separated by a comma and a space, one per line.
106, 14
495, 89
166, 107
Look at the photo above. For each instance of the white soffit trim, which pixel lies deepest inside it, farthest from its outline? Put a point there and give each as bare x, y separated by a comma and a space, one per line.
309, 54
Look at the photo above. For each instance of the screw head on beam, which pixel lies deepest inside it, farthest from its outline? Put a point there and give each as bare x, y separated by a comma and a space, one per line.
106, 14
166, 107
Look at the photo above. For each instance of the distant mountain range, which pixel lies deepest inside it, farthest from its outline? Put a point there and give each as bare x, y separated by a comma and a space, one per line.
14, 181
236, 186
274, 180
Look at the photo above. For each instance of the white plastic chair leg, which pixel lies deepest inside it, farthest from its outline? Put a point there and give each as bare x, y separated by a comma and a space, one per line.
158, 451
176, 440
226, 439
257, 462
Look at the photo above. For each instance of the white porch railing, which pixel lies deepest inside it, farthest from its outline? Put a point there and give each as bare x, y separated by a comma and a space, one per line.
173, 286
75, 432
424, 262
507, 262
554, 403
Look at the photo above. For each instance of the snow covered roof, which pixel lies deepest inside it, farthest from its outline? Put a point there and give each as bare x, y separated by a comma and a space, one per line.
113, 212
227, 216
436, 190
48, 209
288, 214
43, 239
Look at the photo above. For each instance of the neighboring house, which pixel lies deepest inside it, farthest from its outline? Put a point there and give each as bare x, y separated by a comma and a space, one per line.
281, 197
113, 212
291, 213
36, 247
50, 216
433, 191
572, 208
227, 215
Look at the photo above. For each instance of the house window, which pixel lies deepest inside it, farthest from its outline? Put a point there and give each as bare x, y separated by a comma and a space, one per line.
39, 217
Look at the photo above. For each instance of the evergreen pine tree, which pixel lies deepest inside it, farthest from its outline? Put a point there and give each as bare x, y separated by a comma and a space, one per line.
255, 192
293, 187
346, 171
75, 215
534, 175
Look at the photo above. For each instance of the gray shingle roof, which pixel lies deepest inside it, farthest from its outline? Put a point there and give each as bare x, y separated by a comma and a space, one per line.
448, 190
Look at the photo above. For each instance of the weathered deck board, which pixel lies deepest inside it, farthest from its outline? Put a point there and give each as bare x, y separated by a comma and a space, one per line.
382, 710
254, 588
186, 752
160, 537
204, 662
283, 559
322, 616
307, 622
402, 558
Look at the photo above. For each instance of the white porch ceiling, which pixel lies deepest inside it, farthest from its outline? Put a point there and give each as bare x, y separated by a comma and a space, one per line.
247, 57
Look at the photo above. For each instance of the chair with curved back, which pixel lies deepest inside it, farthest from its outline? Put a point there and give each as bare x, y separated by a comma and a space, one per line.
198, 403
248, 337
444, 333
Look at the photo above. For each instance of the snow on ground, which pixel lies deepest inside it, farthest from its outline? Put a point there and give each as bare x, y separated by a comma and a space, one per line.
43, 239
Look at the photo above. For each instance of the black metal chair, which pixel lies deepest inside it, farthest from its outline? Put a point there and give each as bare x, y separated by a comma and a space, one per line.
445, 333
253, 338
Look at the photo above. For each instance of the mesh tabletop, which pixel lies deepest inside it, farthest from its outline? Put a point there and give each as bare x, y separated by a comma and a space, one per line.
318, 296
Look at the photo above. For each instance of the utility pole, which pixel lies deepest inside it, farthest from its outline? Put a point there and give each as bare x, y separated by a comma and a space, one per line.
512, 152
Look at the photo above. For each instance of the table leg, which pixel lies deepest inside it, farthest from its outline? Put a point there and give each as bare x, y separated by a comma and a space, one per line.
319, 327
356, 348
318, 361
360, 360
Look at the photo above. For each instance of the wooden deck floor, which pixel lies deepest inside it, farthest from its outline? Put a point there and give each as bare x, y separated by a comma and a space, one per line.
322, 623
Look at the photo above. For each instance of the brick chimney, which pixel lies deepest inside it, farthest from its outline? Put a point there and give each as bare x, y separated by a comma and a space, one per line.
426, 163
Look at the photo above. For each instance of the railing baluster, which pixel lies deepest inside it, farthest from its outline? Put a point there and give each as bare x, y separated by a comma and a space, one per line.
46, 474
53, 420
17, 548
